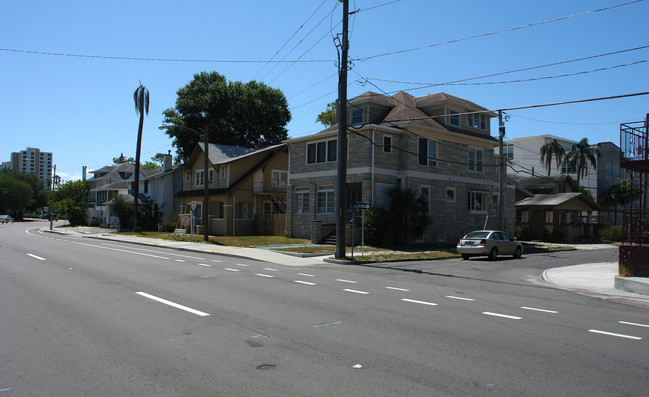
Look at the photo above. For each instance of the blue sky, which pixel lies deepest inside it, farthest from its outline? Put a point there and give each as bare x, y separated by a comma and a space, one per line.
81, 108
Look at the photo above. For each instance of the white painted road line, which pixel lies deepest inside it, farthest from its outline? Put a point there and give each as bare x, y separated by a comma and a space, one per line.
595, 331
37, 257
306, 275
120, 250
539, 310
180, 260
232, 270
264, 275
173, 304
398, 289
155, 251
204, 264
635, 324
502, 315
356, 291
460, 298
216, 260
304, 282
241, 264
420, 302
270, 269
346, 281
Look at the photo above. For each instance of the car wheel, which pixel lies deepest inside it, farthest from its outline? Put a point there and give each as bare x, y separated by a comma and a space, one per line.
493, 255
465, 257
518, 253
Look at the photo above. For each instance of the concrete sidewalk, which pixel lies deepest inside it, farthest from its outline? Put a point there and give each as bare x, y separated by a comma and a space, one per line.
598, 279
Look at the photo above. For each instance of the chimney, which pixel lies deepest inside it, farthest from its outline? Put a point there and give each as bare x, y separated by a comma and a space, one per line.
84, 169
167, 162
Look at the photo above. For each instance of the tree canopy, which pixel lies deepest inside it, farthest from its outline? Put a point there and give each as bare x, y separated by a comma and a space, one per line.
21, 192
70, 201
242, 114
329, 117
552, 148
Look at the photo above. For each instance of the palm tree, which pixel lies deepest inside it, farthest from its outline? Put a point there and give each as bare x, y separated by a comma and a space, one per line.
552, 148
141, 98
581, 156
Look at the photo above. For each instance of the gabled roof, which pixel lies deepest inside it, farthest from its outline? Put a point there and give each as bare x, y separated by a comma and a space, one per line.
223, 153
112, 173
442, 97
542, 184
558, 200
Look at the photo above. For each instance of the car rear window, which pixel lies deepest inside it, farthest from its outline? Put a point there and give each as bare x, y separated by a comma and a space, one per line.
477, 235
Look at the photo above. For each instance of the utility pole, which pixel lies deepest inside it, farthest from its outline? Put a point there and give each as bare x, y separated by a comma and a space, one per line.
206, 197
342, 139
52, 206
502, 173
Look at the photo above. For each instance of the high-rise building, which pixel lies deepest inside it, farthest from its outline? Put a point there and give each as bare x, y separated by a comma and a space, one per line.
33, 161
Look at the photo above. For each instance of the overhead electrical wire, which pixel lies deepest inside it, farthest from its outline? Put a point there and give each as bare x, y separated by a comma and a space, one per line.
497, 32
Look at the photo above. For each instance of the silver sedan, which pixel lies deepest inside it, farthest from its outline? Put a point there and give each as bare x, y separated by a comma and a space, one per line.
489, 243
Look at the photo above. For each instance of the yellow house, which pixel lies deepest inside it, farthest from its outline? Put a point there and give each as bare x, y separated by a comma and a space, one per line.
246, 187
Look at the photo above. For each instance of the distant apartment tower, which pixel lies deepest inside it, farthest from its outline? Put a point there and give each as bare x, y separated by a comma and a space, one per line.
33, 161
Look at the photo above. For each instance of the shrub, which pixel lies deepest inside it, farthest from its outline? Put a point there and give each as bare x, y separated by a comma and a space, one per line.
612, 233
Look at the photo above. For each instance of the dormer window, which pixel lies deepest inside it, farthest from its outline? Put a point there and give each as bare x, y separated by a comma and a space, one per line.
358, 116
478, 121
454, 118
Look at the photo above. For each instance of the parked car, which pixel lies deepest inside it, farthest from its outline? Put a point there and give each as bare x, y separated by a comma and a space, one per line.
6, 219
489, 243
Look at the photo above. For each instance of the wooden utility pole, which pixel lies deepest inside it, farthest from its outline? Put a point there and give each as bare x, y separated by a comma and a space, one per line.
502, 174
342, 139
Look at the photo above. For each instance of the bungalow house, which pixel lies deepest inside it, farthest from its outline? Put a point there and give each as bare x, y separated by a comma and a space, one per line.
247, 189
109, 181
553, 208
437, 145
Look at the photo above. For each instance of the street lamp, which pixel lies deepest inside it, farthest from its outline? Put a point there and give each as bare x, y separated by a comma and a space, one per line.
205, 175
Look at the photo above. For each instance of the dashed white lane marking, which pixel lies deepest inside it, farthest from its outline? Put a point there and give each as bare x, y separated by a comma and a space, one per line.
398, 289
356, 291
634, 324
419, 302
270, 269
231, 269
460, 298
180, 260
156, 251
204, 264
241, 264
502, 315
173, 304
304, 282
306, 274
216, 260
346, 281
539, 310
264, 275
37, 257
595, 331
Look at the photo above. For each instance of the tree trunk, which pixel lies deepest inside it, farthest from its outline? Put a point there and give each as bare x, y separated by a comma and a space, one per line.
136, 190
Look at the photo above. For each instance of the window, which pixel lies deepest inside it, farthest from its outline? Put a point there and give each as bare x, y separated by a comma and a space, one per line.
199, 178
475, 160
424, 195
549, 217
450, 194
508, 151
321, 152
525, 217
427, 152
357, 116
222, 169
478, 121
616, 169
326, 200
609, 168
569, 218
210, 177
387, 144
567, 167
478, 202
279, 178
302, 201
454, 118
243, 211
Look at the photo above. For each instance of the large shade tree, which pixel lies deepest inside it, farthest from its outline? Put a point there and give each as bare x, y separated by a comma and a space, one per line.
550, 149
581, 156
141, 99
241, 114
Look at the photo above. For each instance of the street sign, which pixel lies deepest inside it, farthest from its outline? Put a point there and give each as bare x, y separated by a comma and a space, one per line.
363, 206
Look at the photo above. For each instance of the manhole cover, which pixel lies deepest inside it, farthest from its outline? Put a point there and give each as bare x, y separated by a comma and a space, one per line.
266, 366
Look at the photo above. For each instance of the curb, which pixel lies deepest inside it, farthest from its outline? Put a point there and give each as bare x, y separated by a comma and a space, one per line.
632, 284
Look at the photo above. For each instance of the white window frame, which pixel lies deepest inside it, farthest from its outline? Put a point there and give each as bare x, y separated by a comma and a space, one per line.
302, 200
328, 157
353, 116
199, 178
549, 217
222, 169
279, 178
474, 164
210, 177
477, 206
452, 114
431, 160
327, 205
476, 121
451, 189
525, 217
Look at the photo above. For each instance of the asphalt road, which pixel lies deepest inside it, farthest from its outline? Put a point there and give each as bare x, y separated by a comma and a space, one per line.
90, 317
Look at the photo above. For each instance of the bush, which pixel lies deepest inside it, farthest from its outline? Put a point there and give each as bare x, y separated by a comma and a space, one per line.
612, 233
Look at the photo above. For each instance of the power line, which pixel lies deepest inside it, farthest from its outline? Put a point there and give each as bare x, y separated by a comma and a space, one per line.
163, 59
498, 31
